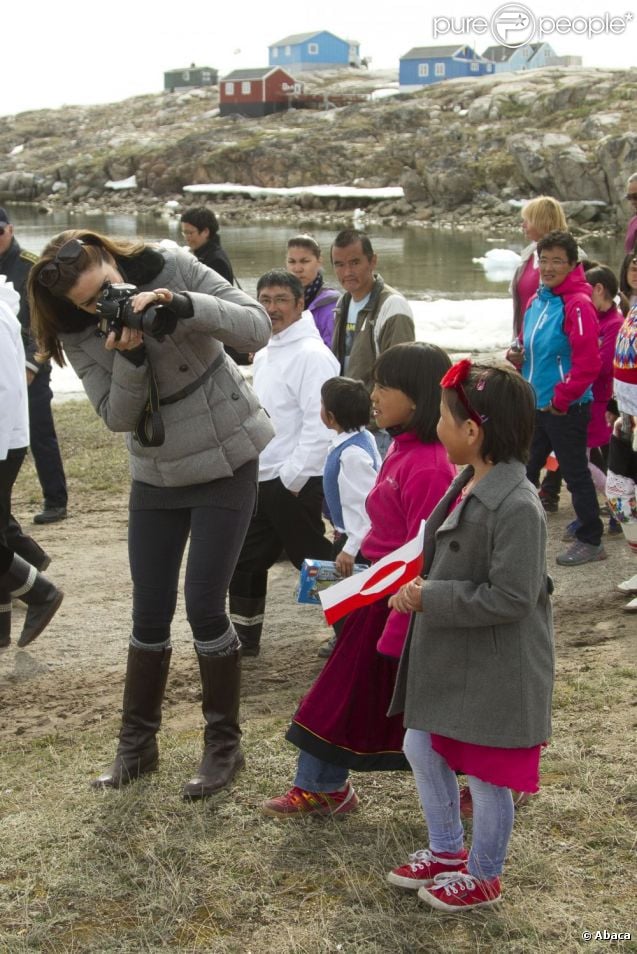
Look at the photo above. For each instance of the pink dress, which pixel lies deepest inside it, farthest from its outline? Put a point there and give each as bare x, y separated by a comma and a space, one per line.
508, 768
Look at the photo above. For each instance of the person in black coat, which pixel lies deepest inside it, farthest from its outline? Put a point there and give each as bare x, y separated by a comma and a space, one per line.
200, 229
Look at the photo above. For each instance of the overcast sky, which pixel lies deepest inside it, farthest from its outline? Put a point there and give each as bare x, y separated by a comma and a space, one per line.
78, 52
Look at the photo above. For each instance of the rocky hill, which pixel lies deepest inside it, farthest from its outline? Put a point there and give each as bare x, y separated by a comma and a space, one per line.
463, 150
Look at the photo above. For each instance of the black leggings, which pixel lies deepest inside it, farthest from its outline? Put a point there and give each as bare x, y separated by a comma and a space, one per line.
156, 543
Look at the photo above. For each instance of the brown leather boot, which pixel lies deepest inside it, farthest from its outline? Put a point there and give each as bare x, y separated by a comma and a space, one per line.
137, 751
222, 756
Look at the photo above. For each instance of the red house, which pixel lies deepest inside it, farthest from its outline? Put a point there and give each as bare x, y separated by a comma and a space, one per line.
257, 92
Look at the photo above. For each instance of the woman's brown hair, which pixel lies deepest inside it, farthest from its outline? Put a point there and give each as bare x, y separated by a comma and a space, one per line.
51, 311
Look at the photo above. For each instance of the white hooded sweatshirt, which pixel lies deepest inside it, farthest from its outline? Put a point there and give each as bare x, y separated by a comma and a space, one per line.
14, 408
288, 375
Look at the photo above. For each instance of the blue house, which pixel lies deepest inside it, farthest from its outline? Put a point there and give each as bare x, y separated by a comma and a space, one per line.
424, 65
314, 51
531, 56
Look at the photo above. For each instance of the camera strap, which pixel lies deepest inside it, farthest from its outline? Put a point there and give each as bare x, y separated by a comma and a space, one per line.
149, 430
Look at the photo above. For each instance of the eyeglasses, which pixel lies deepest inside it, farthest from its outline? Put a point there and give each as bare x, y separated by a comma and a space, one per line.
265, 300
68, 254
3, 229
555, 262
631, 196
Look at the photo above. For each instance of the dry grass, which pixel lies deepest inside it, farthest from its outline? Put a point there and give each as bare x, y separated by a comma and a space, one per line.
140, 870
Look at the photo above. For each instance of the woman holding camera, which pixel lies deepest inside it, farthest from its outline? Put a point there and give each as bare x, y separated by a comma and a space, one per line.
193, 461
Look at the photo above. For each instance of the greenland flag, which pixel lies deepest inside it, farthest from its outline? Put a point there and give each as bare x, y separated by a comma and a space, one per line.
382, 579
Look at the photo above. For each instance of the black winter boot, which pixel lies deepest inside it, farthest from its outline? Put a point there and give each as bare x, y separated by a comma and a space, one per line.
246, 613
41, 596
137, 751
222, 757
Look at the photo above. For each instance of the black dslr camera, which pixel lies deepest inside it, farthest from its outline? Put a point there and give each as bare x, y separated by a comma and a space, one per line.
115, 309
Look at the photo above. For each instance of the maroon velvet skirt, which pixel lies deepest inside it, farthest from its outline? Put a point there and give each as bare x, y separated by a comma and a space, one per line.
343, 718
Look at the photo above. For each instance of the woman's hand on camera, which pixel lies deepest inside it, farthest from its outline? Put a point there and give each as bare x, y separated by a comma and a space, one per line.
130, 338
160, 296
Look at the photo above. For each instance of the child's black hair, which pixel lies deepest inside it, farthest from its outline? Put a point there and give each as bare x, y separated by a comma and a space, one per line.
348, 400
415, 368
603, 275
507, 402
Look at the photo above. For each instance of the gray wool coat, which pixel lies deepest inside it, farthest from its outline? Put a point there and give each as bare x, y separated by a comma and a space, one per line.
217, 428
478, 663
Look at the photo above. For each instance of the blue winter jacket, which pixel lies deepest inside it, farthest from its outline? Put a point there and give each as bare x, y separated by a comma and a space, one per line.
561, 345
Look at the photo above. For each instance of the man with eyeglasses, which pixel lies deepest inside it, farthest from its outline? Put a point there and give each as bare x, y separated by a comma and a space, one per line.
631, 230
288, 376
559, 356
16, 264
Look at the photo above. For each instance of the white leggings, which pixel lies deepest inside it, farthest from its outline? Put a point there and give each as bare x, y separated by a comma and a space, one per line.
437, 786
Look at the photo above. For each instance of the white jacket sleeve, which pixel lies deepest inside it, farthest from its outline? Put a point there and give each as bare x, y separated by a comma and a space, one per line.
12, 381
308, 457
356, 478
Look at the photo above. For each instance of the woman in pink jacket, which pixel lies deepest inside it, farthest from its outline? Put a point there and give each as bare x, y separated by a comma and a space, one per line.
604, 289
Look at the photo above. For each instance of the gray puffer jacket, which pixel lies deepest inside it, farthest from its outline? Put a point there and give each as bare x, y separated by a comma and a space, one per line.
216, 428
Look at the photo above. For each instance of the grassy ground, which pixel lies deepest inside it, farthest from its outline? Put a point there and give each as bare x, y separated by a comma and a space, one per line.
140, 870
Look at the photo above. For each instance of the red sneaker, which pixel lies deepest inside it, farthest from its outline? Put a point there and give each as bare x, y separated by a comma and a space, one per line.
424, 866
460, 891
298, 802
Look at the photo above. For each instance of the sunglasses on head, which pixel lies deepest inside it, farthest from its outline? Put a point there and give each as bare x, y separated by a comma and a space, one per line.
67, 254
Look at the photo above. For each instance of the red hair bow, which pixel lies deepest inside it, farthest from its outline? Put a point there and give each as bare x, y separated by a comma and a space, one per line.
456, 374
453, 380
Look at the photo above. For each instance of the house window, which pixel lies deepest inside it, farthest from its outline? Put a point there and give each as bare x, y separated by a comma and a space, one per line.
439, 69
312, 49
275, 52
229, 89
288, 50
206, 77
245, 88
186, 76
423, 69
474, 67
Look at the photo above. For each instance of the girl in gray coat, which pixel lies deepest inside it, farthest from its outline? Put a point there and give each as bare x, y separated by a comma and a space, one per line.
476, 674
144, 329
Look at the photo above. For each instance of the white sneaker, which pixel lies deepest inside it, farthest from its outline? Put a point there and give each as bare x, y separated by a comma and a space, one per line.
628, 586
631, 607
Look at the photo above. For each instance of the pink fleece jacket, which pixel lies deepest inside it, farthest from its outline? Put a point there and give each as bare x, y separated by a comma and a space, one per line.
610, 322
581, 329
413, 478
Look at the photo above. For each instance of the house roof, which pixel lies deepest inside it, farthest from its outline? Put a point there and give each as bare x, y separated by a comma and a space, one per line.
502, 54
184, 69
431, 52
258, 73
297, 38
